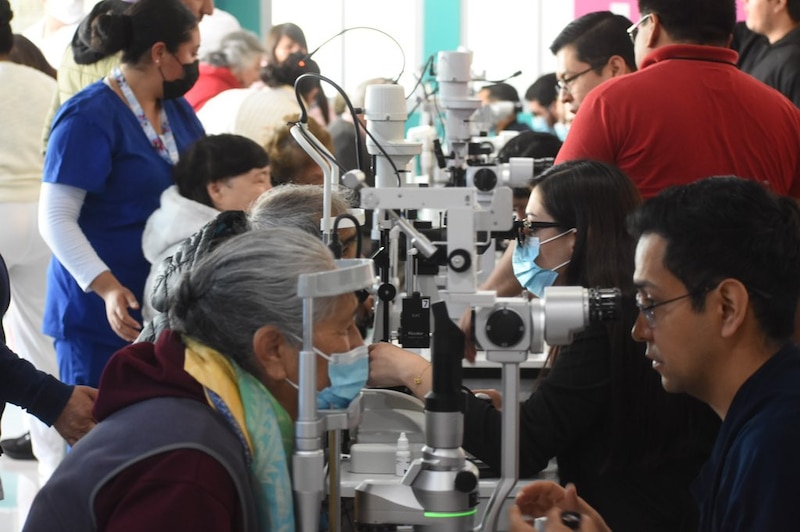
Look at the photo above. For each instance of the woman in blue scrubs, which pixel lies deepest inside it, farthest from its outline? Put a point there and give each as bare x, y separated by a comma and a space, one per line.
110, 156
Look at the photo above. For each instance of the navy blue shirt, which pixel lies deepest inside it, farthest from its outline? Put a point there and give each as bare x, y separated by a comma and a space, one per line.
750, 481
21, 383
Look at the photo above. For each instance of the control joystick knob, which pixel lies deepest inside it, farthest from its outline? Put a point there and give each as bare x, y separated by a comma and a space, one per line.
466, 482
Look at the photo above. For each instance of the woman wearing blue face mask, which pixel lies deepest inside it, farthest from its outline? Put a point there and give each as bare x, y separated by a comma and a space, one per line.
198, 427
110, 156
599, 409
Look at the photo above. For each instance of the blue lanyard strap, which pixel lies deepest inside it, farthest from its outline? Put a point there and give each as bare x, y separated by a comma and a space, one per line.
164, 144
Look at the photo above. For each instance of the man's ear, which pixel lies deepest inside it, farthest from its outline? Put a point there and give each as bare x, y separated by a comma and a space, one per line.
655, 31
735, 304
617, 66
269, 351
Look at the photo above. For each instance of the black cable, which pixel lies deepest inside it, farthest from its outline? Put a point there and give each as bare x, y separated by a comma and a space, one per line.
420, 78
356, 122
347, 215
402, 53
321, 149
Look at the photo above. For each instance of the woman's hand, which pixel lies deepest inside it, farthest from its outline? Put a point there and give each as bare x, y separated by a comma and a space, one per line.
390, 365
465, 324
118, 300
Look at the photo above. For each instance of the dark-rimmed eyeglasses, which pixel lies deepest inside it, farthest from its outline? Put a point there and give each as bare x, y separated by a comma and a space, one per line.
564, 84
633, 30
526, 226
648, 311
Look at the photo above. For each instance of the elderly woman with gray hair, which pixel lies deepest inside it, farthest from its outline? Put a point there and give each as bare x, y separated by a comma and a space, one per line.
234, 65
298, 206
194, 432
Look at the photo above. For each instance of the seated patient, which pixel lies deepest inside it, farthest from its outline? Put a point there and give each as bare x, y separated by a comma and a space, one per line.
298, 206
301, 206
289, 162
600, 409
217, 173
195, 431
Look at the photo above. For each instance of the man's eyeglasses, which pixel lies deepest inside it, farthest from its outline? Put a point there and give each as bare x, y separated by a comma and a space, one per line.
633, 30
649, 310
564, 84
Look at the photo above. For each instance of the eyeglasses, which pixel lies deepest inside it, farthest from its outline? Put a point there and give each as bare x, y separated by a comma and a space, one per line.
525, 226
633, 30
649, 310
564, 84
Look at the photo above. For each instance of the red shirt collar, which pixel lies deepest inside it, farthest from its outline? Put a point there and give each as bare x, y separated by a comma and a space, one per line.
696, 52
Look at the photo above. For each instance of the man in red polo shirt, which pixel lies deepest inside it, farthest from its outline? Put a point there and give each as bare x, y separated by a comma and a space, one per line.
688, 112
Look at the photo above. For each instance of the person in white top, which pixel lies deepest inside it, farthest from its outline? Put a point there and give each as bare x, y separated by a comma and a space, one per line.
53, 32
25, 95
217, 173
252, 112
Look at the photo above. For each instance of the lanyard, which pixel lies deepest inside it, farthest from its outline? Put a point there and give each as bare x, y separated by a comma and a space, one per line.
164, 144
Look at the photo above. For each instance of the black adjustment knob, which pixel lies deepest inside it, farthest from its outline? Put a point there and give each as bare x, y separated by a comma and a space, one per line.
485, 179
386, 292
459, 260
504, 328
466, 482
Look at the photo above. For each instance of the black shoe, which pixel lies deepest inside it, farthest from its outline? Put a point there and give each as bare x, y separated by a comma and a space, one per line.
18, 448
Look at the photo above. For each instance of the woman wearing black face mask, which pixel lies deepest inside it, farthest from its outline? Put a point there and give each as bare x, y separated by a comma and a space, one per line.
111, 151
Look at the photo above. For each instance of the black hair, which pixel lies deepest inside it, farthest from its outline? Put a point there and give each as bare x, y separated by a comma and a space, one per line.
543, 90
286, 29
140, 27
286, 73
6, 35
26, 53
597, 37
535, 144
596, 199
793, 8
215, 158
707, 22
502, 92
731, 228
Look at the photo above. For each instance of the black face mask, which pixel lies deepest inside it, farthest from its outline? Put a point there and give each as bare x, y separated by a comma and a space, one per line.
179, 87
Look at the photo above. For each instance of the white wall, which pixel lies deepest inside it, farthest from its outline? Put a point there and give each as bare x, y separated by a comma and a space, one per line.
360, 54
510, 35
505, 36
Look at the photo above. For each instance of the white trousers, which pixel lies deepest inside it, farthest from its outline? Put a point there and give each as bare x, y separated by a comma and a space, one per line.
27, 257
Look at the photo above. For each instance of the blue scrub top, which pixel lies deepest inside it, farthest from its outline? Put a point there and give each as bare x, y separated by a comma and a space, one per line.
97, 144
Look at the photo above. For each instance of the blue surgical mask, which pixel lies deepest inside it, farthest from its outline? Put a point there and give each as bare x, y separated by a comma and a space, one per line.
348, 373
561, 130
539, 123
530, 275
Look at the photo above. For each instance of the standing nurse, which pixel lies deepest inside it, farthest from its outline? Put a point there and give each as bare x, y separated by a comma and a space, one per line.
110, 155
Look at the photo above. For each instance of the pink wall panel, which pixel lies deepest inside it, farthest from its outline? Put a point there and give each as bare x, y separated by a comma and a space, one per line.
587, 6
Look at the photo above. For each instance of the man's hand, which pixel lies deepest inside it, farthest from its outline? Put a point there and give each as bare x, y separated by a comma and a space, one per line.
563, 508
76, 419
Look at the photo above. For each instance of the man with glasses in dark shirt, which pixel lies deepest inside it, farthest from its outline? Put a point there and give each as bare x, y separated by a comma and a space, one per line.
590, 50
716, 273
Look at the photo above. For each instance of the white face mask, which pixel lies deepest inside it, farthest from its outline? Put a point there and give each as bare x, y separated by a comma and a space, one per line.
66, 11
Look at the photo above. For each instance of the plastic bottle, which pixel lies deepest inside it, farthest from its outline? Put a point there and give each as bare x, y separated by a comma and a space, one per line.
402, 458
